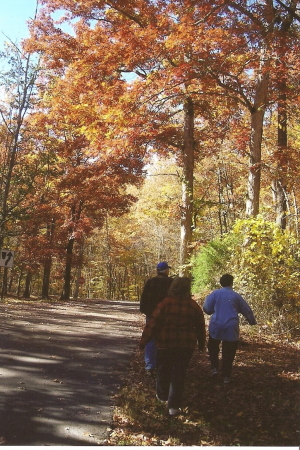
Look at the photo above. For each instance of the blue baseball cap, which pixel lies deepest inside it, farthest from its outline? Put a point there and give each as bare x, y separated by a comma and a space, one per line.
162, 266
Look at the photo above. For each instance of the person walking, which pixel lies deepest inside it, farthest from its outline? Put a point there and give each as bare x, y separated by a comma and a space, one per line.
224, 305
178, 325
155, 290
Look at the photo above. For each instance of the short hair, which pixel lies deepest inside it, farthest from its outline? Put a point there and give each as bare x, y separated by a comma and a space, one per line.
180, 288
226, 280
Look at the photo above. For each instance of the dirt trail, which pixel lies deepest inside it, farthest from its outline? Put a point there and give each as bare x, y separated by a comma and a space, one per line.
60, 366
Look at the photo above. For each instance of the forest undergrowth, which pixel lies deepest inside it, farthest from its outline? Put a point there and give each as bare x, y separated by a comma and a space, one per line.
259, 408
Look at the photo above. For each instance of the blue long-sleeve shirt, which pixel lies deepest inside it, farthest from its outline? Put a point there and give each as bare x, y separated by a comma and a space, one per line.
224, 305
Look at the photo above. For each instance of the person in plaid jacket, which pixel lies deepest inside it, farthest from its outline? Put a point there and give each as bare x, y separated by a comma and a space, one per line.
178, 326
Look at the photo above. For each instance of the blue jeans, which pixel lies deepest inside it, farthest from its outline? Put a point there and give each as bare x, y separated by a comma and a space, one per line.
172, 365
150, 353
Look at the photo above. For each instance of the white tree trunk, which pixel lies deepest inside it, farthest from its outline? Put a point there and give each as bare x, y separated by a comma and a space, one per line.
187, 185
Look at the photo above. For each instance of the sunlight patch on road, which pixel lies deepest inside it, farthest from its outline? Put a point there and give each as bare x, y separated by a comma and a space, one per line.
32, 359
7, 373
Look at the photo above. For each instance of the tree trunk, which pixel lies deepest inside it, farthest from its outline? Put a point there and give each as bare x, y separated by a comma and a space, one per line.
77, 285
19, 283
13, 127
79, 270
46, 279
27, 284
187, 186
48, 262
75, 216
10, 281
279, 184
296, 214
257, 119
4, 282
67, 278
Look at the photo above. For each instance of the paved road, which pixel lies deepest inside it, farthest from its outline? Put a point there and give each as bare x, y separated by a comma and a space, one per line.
60, 365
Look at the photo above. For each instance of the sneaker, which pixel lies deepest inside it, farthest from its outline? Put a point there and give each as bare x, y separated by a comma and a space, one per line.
150, 372
160, 400
226, 380
214, 372
174, 411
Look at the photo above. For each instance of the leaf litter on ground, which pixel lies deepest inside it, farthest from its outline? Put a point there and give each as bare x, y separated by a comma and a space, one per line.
260, 407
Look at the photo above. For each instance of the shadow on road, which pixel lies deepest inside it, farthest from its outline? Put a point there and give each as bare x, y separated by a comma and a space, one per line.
59, 368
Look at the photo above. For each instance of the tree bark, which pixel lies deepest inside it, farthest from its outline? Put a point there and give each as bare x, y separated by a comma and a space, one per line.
46, 279
75, 216
19, 283
4, 283
27, 284
187, 185
79, 270
279, 183
67, 278
257, 119
48, 262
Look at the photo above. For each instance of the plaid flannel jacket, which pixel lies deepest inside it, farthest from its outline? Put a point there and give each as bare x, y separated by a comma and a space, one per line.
176, 323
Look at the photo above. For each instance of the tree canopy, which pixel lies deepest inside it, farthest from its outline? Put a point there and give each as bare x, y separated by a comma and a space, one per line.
205, 93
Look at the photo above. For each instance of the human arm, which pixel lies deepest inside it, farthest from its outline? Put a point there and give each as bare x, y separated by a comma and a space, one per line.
209, 304
144, 302
200, 328
146, 335
246, 311
151, 326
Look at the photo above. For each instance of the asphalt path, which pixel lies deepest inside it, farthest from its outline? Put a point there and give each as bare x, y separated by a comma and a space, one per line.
60, 368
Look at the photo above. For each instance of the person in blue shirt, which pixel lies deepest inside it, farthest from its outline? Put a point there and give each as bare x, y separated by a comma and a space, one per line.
224, 305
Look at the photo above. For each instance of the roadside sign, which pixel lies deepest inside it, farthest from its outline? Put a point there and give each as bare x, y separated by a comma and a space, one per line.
6, 258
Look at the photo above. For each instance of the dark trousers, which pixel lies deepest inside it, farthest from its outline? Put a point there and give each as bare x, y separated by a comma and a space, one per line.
172, 365
228, 354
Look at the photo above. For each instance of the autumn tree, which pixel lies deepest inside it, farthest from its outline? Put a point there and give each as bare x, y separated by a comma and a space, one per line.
197, 66
80, 179
246, 67
17, 81
156, 111
122, 254
287, 84
18, 88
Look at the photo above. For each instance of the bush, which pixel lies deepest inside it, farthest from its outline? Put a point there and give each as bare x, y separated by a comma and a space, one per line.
266, 270
264, 261
211, 262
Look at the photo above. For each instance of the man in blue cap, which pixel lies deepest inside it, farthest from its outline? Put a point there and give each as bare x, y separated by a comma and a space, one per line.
155, 290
